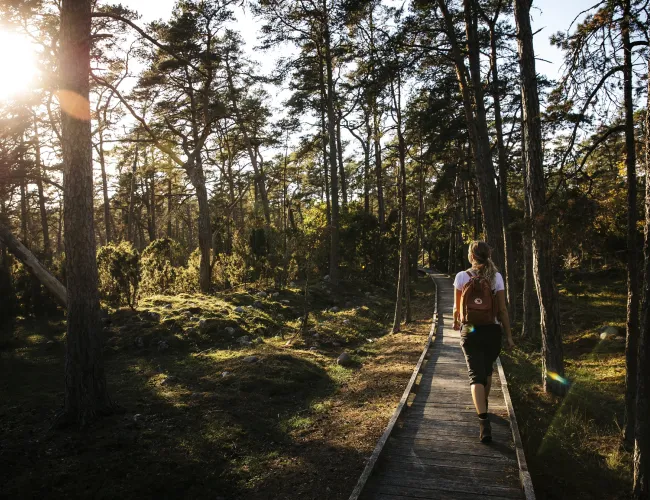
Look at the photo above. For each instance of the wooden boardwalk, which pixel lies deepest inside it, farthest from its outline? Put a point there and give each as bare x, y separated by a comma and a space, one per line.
431, 448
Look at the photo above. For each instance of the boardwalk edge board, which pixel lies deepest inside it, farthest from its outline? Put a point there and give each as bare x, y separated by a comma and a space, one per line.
524, 474
372, 461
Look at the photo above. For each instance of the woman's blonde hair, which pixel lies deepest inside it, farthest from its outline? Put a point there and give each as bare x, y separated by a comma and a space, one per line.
481, 259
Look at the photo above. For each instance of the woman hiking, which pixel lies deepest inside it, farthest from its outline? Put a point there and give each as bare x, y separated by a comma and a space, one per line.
481, 315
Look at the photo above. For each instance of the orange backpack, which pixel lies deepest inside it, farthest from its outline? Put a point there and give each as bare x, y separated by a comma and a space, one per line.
477, 302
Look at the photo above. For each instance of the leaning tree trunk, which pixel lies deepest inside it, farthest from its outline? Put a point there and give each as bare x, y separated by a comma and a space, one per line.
632, 252
22, 253
642, 438
86, 394
552, 359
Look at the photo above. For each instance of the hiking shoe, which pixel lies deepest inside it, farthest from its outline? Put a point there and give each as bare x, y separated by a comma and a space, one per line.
486, 430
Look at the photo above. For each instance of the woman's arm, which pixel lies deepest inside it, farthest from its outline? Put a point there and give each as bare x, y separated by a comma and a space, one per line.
457, 309
502, 316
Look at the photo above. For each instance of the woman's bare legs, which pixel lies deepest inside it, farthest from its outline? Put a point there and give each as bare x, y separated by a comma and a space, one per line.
480, 398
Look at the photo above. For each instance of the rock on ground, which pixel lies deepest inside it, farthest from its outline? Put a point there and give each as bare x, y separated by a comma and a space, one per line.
344, 359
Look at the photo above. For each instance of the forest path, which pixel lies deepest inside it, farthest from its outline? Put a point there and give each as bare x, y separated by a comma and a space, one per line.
433, 451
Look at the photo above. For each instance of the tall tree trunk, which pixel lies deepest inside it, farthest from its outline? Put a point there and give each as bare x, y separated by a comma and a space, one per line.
632, 337
552, 359
324, 141
107, 207
169, 206
642, 435
366, 166
503, 175
205, 233
260, 178
47, 246
86, 394
403, 279
331, 129
476, 118
339, 150
129, 228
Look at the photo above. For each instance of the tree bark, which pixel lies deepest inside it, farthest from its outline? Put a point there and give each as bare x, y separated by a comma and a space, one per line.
339, 150
107, 206
205, 233
476, 118
334, 181
552, 359
503, 176
403, 278
641, 489
86, 394
632, 323
47, 246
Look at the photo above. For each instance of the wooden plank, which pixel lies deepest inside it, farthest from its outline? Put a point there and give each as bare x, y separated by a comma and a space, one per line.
401, 493
456, 454
463, 486
450, 445
524, 474
460, 462
428, 471
402, 403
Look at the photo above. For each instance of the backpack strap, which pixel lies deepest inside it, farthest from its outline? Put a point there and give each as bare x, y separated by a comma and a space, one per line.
471, 276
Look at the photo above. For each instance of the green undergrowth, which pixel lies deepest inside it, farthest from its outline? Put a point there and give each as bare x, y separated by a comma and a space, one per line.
573, 444
210, 395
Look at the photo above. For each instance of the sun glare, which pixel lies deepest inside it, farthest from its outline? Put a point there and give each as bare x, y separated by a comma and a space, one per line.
17, 64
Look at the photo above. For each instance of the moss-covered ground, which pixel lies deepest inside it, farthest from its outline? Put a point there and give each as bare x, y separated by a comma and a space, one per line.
221, 397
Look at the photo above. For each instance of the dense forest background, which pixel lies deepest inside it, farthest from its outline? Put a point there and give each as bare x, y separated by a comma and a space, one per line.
407, 131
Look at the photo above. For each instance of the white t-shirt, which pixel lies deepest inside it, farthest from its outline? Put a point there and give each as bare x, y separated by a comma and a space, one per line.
497, 284
462, 278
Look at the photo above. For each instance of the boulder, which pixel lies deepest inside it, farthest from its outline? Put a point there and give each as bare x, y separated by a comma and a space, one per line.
225, 374
163, 346
336, 344
251, 359
153, 316
275, 295
258, 305
262, 294
244, 339
334, 309
169, 380
313, 349
229, 330
257, 341
239, 309
612, 330
195, 310
344, 359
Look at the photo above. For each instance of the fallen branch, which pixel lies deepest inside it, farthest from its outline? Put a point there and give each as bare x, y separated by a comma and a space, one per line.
22, 253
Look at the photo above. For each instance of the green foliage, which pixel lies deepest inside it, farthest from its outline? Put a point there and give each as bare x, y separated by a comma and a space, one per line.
160, 267
118, 267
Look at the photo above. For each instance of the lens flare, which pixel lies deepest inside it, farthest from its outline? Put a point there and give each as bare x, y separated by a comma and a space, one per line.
558, 378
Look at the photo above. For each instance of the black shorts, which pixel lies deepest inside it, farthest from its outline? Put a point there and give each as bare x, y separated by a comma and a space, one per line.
481, 346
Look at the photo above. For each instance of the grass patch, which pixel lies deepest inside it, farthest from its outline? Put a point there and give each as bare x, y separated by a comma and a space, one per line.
573, 444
